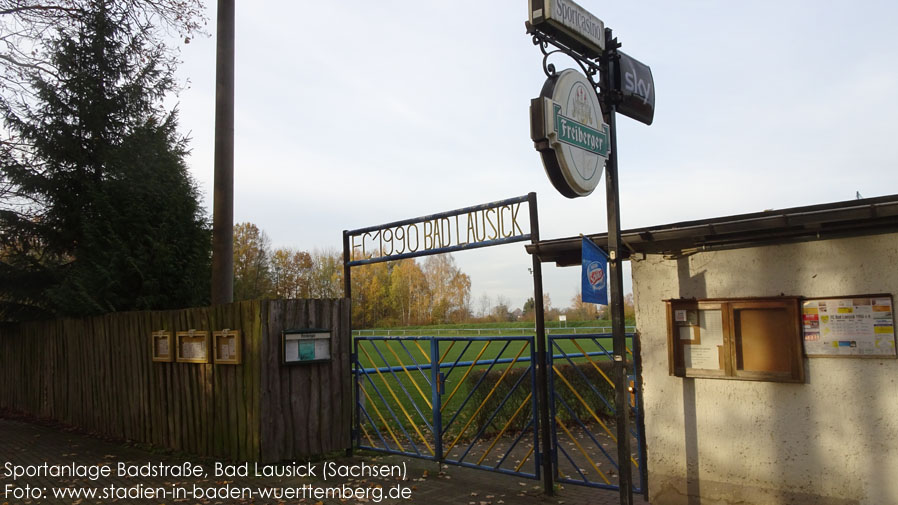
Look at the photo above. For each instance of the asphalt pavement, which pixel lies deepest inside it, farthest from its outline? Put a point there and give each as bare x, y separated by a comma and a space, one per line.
45, 463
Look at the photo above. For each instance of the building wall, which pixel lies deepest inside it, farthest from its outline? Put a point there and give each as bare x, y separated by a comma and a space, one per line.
832, 440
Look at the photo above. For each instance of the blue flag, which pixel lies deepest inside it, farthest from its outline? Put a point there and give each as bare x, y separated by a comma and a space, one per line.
594, 273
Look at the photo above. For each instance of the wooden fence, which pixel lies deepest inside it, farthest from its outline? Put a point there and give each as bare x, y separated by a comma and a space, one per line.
97, 374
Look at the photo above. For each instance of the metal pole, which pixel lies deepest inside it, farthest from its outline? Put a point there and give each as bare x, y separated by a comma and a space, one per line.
223, 186
640, 414
542, 376
355, 431
347, 293
347, 279
621, 397
436, 399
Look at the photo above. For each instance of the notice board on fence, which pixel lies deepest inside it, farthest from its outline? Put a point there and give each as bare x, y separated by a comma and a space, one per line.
852, 326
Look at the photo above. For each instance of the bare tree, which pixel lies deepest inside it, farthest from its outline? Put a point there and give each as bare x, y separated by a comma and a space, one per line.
25, 26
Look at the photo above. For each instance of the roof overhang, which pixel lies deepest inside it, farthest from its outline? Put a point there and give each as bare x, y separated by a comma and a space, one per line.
869, 216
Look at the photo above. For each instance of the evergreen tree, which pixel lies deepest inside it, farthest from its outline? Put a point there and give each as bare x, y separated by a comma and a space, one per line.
101, 214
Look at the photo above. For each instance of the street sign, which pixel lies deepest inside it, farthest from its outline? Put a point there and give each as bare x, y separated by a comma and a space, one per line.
634, 80
571, 23
567, 129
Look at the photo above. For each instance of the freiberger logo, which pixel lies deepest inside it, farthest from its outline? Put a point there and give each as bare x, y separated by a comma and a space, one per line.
569, 132
596, 275
580, 135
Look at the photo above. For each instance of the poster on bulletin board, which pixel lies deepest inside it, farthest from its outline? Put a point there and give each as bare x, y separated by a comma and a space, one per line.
161, 346
192, 346
855, 326
226, 347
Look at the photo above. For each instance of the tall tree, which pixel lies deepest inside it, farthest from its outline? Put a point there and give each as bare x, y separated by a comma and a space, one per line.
327, 274
582, 311
528, 311
371, 295
450, 289
252, 263
292, 271
409, 293
102, 214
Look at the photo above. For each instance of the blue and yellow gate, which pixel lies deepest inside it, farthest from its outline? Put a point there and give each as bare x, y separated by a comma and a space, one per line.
581, 396
461, 400
471, 401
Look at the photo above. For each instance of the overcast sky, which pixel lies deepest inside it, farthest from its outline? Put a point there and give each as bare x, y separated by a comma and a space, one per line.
357, 113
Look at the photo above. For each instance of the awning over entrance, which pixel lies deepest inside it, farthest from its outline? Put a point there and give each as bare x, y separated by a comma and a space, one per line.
867, 216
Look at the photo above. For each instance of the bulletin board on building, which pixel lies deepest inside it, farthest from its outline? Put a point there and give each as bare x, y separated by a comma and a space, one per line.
696, 338
850, 326
736, 338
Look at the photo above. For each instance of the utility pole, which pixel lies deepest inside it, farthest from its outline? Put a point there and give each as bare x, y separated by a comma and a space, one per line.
223, 197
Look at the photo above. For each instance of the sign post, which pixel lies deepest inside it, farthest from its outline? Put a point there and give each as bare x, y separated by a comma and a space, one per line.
619, 370
575, 144
542, 374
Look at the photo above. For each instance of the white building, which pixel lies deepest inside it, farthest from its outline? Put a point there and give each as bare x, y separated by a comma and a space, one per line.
830, 438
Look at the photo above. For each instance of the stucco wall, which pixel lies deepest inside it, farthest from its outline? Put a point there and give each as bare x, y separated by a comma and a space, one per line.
831, 440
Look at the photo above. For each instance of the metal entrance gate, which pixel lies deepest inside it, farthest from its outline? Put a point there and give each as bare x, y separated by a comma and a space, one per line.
461, 400
581, 396
471, 401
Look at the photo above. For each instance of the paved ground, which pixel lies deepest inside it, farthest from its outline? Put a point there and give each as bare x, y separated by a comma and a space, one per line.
51, 450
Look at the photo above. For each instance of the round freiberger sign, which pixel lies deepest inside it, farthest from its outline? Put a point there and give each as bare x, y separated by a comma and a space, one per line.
568, 131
